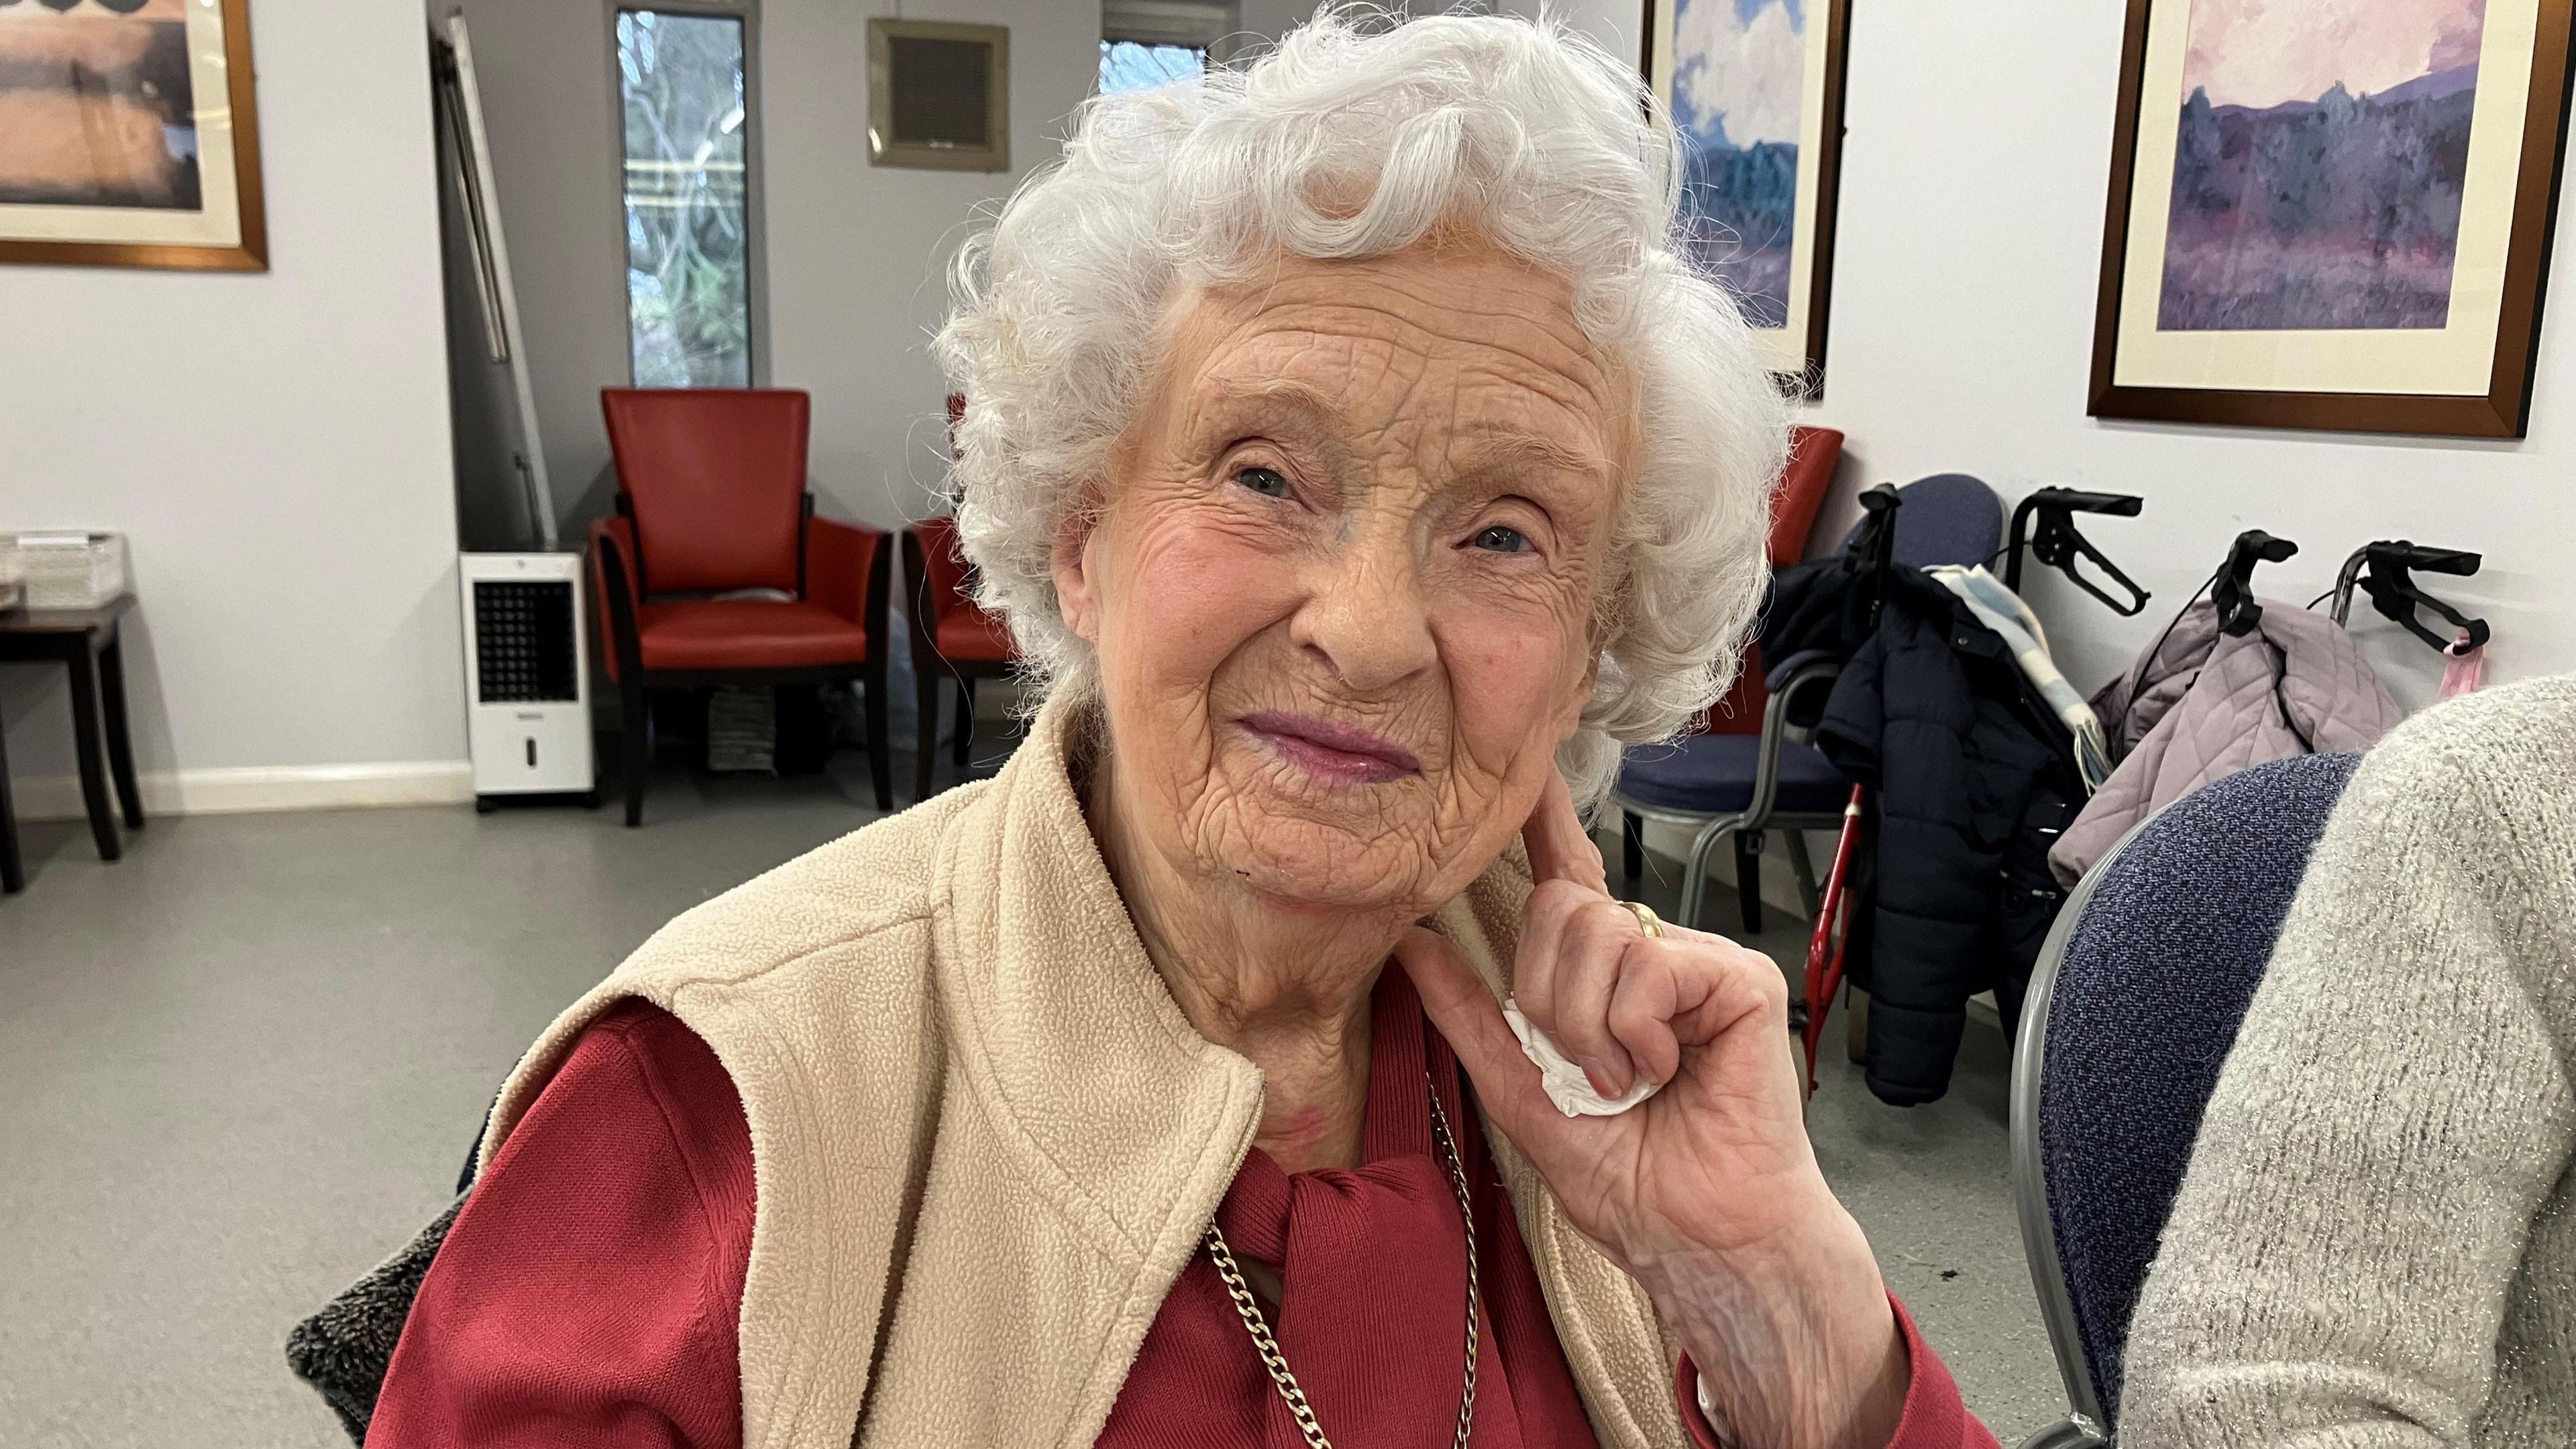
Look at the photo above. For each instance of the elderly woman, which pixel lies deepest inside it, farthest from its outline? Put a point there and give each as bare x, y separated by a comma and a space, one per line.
1357, 464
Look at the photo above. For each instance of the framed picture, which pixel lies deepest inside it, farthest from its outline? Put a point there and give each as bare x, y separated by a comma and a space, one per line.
2329, 215
128, 135
1755, 88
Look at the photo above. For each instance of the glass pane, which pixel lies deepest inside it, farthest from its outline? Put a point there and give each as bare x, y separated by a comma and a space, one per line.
1128, 66
688, 280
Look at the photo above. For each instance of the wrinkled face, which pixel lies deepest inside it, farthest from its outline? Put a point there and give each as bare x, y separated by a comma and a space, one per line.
1341, 586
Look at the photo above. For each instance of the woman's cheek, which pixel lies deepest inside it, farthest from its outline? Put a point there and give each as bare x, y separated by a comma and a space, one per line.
1511, 668
1200, 580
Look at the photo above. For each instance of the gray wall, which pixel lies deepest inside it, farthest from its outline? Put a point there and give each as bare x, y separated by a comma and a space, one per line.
549, 114
275, 444
855, 252
858, 253
1975, 161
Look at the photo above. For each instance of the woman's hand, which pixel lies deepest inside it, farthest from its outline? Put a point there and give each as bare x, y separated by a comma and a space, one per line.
1707, 1193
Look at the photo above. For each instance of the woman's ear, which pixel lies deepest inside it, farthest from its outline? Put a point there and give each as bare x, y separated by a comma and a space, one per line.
1075, 599
1570, 717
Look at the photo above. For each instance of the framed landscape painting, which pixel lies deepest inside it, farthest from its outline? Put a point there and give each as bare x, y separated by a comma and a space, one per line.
1755, 88
2330, 215
128, 136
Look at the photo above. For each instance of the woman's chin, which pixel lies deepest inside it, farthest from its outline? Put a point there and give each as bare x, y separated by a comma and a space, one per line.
1312, 867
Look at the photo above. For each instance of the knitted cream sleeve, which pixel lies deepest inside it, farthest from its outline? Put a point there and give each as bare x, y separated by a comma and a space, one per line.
2393, 1116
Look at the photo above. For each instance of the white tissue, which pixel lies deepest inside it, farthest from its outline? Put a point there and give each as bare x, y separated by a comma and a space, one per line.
1563, 1081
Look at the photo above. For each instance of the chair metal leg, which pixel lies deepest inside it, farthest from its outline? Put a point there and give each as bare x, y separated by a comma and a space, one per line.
2071, 1432
925, 703
87, 732
1748, 878
13, 871
1695, 879
120, 740
638, 750
872, 678
1803, 866
1632, 845
965, 721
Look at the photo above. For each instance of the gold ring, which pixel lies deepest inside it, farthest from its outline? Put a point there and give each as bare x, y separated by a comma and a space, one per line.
1649, 924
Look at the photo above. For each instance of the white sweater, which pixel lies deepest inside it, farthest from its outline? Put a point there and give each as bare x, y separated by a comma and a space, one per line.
2374, 1246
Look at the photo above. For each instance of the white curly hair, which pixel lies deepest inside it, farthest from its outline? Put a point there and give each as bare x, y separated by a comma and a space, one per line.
1517, 131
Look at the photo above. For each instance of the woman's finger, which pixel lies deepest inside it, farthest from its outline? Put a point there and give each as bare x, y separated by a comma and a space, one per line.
1464, 1011
1589, 961
1726, 983
1642, 1008
1535, 962
1558, 845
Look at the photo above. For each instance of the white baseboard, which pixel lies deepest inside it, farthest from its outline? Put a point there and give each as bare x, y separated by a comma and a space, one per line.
264, 787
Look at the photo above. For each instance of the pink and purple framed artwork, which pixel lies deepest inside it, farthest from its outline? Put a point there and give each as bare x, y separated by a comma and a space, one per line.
2328, 215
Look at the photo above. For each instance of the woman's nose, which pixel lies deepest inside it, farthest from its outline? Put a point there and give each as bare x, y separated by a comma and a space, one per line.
1368, 615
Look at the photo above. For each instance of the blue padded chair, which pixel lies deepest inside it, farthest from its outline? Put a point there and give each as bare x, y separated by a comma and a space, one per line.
1739, 786
1948, 518
2133, 1005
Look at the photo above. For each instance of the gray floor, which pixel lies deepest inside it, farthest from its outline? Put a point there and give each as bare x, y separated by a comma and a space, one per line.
239, 1067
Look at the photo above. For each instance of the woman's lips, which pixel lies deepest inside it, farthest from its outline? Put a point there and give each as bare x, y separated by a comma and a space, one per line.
1340, 753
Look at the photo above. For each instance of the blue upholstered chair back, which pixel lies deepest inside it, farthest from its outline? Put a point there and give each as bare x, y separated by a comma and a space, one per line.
2137, 998
1948, 518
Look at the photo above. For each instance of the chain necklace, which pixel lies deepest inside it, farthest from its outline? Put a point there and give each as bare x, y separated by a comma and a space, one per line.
1268, 1346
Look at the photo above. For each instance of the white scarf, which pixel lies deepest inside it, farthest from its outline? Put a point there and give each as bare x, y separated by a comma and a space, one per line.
2000, 609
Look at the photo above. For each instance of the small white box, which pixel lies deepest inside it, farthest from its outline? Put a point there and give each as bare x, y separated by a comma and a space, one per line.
65, 569
527, 676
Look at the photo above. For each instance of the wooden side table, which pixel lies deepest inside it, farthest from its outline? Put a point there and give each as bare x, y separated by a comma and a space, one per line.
85, 643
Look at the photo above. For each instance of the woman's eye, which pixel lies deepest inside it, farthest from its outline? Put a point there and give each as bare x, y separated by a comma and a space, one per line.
1268, 482
1499, 539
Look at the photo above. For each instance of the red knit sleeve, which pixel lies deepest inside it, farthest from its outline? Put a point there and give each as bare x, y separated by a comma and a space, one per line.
1935, 1416
589, 1291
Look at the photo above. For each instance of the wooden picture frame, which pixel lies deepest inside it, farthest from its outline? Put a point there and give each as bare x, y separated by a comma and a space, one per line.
202, 209
1780, 266
2387, 353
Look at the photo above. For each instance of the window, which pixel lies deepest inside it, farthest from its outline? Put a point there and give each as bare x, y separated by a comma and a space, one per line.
685, 103
1126, 65
1148, 43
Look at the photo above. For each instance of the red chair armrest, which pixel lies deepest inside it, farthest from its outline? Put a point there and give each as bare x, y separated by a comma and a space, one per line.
849, 570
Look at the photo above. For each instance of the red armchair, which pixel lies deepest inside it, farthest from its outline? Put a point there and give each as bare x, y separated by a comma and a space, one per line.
952, 638
1809, 475
715, 570
1804, 481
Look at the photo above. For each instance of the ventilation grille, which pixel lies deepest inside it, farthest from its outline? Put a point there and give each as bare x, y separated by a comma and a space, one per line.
523, 646
942, 91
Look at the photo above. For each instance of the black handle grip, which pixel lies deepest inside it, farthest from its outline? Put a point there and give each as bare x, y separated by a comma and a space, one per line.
2423, 558
2077, 500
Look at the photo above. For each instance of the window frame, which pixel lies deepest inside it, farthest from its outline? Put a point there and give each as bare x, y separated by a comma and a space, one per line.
754, 166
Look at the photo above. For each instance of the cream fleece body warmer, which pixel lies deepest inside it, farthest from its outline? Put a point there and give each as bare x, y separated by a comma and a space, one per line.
985, 1140
2374, 1247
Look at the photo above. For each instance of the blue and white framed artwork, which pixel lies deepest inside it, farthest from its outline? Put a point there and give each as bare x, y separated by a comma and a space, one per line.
1755, 88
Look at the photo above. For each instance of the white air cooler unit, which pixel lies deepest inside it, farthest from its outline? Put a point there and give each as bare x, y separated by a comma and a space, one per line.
526, 679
